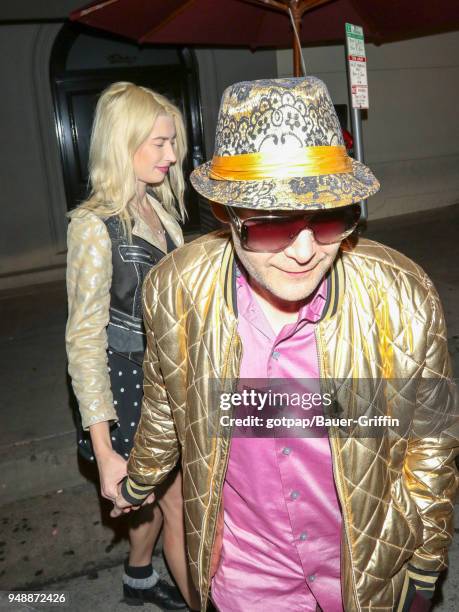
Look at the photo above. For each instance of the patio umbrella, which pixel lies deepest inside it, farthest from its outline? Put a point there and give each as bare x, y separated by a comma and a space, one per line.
257, 23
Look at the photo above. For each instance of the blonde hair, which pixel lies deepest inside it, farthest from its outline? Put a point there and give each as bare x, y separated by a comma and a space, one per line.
124, 118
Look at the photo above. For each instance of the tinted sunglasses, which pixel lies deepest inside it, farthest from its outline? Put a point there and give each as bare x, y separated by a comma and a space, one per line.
273, 233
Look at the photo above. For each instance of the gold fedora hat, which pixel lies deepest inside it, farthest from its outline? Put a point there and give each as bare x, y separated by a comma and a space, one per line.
279, 145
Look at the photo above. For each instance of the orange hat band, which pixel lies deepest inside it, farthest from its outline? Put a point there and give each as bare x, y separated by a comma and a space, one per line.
310, 161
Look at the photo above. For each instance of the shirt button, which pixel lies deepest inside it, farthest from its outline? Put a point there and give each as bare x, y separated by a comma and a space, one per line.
303, 536
312, 577
286, 451
275, 355
294, 495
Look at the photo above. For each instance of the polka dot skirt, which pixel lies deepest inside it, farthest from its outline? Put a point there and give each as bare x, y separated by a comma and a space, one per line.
126, 378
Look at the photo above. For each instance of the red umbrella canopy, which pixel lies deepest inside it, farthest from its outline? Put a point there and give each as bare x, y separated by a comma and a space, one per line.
256, 23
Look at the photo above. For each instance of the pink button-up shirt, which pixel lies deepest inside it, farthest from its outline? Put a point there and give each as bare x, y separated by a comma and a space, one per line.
282, 529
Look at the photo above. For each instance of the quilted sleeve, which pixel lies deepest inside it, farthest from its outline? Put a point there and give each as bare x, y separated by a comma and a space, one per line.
89, 276
156, 448
429, 468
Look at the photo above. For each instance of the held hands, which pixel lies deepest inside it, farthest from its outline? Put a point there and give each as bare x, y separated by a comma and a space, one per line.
122, 506
112, 470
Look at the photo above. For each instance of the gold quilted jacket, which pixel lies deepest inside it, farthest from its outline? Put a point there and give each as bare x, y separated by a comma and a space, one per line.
383, 320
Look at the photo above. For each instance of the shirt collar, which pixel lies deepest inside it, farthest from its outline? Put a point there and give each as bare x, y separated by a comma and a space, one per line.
311, 311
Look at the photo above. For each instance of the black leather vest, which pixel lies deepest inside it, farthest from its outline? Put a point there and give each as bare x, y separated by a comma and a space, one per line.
131, 262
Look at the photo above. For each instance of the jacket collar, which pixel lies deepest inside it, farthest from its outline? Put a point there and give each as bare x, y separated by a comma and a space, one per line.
335, 288
171, 226
228, 277
335, 283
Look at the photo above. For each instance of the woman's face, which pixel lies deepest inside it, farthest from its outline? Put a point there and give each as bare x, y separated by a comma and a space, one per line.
156, 154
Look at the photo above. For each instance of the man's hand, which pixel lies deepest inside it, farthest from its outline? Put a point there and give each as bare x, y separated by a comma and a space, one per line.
112, 470
122, 506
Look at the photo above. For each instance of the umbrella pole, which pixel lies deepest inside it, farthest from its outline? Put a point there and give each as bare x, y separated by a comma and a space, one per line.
297, 70
295, 9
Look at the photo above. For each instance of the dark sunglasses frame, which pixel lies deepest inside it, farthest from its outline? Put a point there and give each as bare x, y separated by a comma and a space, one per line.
351, 212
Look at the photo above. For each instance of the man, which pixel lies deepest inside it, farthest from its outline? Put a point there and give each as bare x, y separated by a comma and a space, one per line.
357, 518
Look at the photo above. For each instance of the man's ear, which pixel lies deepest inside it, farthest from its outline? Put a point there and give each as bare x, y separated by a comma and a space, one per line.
219, 211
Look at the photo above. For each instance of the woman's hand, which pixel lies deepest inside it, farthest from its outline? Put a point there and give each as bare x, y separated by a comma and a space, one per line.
112, 470
112, 467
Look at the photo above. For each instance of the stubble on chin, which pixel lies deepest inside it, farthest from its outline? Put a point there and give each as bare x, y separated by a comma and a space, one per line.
286, 290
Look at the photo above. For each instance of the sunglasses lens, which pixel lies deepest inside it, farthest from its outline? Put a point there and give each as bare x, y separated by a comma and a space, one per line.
276, 233
332, 226
271, 235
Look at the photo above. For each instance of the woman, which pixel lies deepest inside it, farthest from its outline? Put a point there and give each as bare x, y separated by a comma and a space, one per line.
128, 224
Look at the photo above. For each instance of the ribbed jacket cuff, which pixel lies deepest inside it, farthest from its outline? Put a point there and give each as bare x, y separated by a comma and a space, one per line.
417, 583
134, 492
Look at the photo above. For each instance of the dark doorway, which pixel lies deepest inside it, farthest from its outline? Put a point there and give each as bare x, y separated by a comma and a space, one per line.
83, 64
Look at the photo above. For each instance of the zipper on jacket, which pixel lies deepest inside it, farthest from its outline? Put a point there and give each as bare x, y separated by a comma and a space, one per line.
209, 577
338, 482
231, 349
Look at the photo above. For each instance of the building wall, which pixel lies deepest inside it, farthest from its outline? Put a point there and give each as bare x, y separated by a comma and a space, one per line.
32, 199
411, 133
